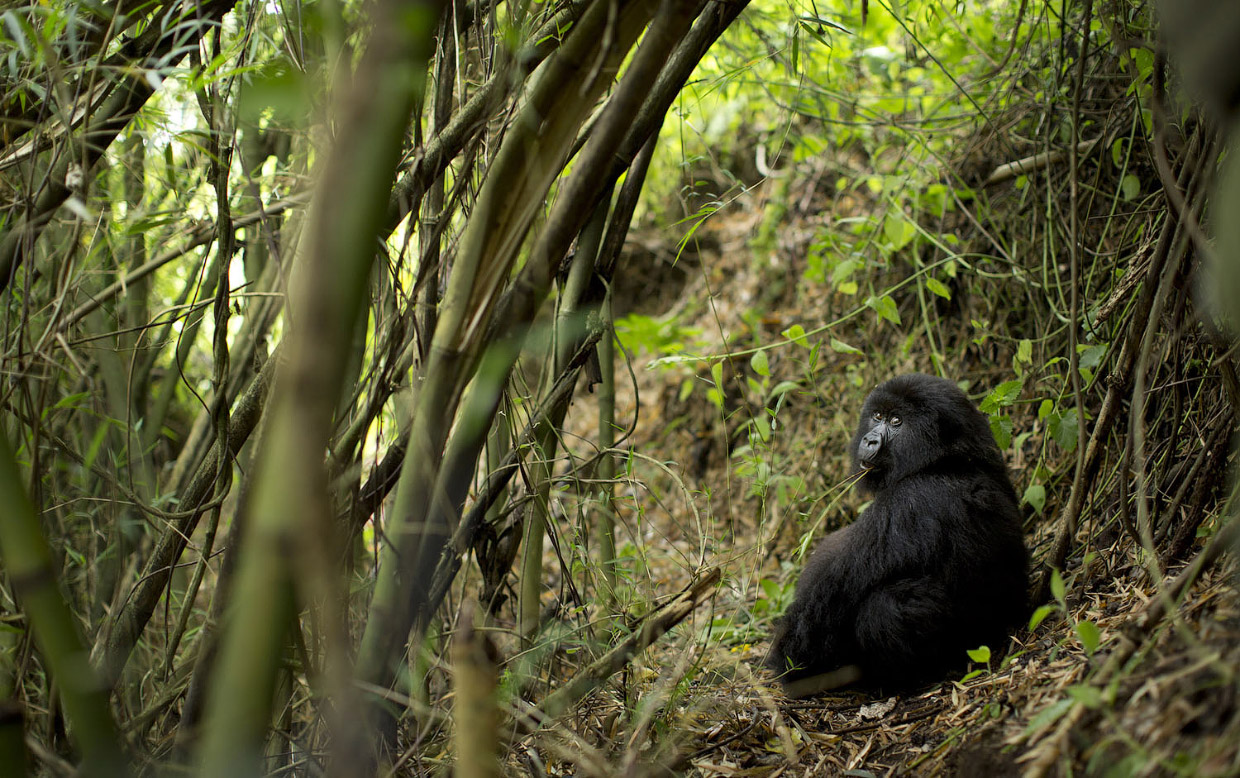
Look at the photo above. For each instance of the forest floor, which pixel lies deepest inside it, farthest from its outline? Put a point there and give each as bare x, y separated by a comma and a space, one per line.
1131, 698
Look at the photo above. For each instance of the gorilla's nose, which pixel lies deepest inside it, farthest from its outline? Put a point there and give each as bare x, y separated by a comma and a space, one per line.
870, 445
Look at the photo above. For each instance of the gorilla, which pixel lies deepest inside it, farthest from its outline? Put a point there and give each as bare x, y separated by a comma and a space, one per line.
936, 565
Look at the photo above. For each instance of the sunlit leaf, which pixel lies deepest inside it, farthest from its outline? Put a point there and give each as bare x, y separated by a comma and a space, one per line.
938, 287
1090, 636
1040, 615
1057, 586
1035, 495
760, 364
843, 348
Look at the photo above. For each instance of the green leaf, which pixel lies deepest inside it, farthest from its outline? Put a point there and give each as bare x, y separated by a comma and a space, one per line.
1024, 351
760, 364
1057, 587
844, 348
1090, 635
1002, 396
1035, 495
796, 334
1001, 429
1087, 695
1144, 60
96, 444
280, 87
763, 425
1040, 615
823, 22
980, 654
1063, 429
939, 288
898, 230
71, 401
783, 387
1130, 187
1089, 357
885, 307
770, 589
843, 271
1048, 716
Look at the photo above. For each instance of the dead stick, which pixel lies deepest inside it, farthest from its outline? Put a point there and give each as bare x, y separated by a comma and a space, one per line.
1036, 162
650, 630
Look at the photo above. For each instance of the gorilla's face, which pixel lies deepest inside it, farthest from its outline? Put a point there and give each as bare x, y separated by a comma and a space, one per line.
911, 421
876, 436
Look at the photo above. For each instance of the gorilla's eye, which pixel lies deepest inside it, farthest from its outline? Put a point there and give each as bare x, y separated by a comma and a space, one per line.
895, 421
878, 415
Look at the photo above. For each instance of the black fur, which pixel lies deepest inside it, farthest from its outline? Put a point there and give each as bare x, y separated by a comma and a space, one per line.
935, 566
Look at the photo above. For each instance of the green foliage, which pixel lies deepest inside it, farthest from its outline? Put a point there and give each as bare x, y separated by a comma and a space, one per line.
885, 307
1035, 495
278, 92
1039, 615
655, 335
1063, 428
1002, 396
980, 654
1089, 635
775, 597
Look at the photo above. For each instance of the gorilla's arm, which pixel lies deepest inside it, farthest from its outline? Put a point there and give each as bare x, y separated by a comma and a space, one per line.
900, 627
817, 625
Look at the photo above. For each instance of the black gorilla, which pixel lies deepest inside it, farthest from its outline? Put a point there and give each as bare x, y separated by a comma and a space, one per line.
935, 566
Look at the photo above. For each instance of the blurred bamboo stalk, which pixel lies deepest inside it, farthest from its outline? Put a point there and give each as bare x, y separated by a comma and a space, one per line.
286, 546
28, 566
476, 713
609, 253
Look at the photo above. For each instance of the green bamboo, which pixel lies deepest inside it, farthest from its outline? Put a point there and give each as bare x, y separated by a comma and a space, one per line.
28, 565
607, 463
514, 191
289, 531
568, 333
476, 716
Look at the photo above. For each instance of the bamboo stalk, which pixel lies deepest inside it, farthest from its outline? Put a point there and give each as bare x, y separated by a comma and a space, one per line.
1020, 167
28, 565
286, 543
476, 713
515, 188
569, 333
606, 530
